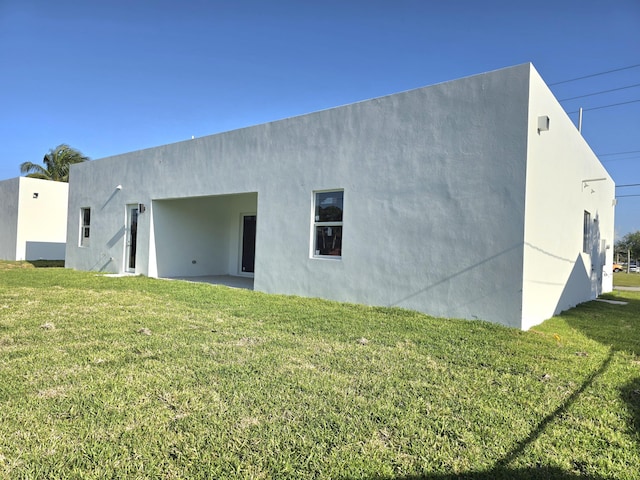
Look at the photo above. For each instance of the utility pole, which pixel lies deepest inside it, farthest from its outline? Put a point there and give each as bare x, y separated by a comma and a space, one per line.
580, 120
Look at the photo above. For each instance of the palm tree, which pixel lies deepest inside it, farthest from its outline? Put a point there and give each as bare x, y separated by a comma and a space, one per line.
56, 164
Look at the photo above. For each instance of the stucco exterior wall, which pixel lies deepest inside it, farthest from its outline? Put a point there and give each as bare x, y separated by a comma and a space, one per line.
42, 223
434, 199
33, 219
564, 179
9, 218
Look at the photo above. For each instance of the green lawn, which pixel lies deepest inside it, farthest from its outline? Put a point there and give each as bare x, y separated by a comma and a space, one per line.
623, 279
139, 378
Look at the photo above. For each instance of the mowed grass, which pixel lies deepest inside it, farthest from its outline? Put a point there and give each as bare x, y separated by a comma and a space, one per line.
624, 279
139, 378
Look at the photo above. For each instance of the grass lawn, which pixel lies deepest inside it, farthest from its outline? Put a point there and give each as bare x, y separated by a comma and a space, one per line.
139, 378
623, 279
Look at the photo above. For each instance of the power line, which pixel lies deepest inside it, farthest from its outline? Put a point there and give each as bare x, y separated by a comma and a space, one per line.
617, 153
596, 74
601, 92
618, 159
603, 107
610, 105
606, 106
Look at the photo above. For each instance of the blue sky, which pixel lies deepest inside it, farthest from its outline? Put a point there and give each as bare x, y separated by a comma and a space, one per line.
109, 77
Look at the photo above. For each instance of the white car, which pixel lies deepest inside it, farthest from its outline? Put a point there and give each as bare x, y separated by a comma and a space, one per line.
633, 268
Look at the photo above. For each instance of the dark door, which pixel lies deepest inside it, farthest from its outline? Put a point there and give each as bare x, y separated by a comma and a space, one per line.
133, 238
248, 243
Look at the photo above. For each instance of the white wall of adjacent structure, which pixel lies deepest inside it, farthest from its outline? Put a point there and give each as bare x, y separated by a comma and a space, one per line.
564, 179
42, 221
9, 218
33, 219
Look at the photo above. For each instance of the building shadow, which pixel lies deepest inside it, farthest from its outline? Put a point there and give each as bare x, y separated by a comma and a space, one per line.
588, 272
617, 327
614, 326
47, 263
501, 469
630, 393
44, 250
534, 473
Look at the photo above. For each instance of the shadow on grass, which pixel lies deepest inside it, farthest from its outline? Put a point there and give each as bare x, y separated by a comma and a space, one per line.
614, 326
630, 393
47, 263
618, 327
501, 469
537, 473
563, 407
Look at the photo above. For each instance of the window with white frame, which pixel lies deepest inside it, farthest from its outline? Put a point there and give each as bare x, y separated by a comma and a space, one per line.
327, 224
85, 226
586, 232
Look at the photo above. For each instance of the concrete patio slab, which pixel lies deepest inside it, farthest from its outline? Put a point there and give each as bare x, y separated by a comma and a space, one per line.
226, 280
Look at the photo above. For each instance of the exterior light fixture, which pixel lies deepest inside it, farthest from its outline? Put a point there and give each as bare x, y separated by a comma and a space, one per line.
543, 123
35, 194
585, 183
119, 187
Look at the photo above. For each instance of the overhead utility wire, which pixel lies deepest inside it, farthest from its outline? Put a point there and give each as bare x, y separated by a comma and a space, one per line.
599, 93
620, 196
617, 153
628, 185
607, 160
606, 106
595, 74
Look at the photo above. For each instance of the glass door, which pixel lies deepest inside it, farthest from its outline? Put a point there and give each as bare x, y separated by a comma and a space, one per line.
132, 238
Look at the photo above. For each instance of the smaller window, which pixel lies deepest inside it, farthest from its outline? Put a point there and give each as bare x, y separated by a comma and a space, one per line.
586, 232
85, 229
327, 224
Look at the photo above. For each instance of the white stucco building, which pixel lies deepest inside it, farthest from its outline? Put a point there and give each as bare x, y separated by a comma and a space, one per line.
475, 198
33, 219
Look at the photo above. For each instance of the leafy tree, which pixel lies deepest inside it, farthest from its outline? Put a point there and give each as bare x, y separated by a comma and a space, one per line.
56, 164
630, 242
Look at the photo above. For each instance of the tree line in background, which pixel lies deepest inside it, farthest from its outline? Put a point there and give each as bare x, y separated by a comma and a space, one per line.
629, 243
56, 164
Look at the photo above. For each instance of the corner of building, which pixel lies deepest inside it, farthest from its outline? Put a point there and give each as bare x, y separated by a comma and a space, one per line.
569, 213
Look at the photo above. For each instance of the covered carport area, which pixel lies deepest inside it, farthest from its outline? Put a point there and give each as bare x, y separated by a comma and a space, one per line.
207, 237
